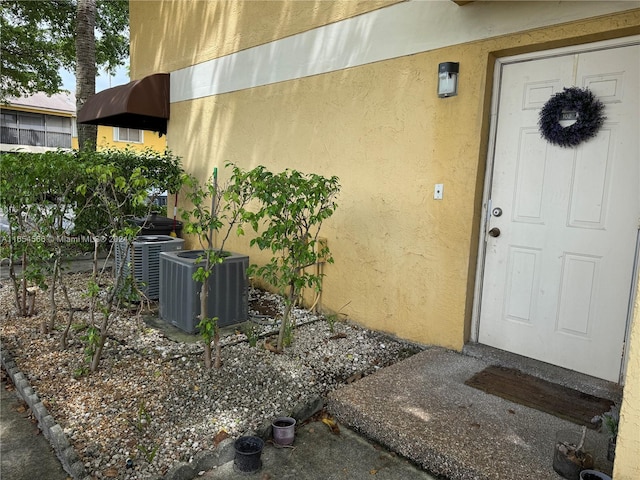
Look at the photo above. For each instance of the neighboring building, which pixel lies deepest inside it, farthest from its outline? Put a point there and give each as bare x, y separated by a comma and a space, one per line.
529, 247
40, 122
134, 138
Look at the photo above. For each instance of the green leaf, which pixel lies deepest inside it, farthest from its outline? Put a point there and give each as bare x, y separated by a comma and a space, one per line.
38, 40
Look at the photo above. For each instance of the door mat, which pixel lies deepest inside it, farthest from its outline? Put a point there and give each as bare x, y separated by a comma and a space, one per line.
533, 392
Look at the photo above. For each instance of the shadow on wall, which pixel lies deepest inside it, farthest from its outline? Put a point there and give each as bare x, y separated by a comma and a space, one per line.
220, 28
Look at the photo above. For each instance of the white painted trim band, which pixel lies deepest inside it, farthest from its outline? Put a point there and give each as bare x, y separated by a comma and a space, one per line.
398, 30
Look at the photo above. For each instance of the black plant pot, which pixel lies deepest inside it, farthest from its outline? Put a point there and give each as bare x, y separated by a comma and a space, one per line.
611, 449
593, 475
248, 452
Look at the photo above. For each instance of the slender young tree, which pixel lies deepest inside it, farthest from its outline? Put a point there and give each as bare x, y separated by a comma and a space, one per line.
293, 207
227, 214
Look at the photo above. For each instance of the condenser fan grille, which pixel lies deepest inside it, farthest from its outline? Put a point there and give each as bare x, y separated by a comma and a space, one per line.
145, 252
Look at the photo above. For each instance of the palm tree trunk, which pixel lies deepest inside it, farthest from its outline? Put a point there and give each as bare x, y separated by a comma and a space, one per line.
86, 67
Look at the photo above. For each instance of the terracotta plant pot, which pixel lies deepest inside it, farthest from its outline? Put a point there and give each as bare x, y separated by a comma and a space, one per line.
284, 430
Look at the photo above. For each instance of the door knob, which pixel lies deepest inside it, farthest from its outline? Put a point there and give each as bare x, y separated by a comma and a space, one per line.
494, 232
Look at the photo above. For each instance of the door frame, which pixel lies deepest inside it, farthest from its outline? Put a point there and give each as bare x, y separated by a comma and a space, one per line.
488, 180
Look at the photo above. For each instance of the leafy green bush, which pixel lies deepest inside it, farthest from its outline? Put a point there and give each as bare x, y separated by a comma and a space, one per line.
43, 194
162, 172
293, 207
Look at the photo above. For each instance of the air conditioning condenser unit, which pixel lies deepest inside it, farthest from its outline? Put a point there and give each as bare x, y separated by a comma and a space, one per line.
228, 296
144, 259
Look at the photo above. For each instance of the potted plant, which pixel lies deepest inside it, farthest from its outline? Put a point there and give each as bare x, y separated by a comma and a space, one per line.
572, 453
609, 422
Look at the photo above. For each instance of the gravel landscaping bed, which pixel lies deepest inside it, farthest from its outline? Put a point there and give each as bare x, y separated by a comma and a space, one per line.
152, 403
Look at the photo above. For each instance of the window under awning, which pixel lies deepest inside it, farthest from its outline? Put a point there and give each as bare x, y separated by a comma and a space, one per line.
142, 104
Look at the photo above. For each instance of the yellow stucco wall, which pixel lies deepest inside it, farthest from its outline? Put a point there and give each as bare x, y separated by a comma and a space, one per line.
150, 140
105, 139
405, 263
385, 235
244, 25
627, 463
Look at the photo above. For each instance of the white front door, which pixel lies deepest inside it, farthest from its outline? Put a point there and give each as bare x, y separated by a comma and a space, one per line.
557, 280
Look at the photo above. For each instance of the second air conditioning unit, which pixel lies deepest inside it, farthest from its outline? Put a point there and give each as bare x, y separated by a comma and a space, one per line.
144, 259
228, 296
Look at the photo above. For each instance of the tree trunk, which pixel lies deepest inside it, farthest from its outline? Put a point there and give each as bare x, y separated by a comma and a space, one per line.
16, 285
217, 347
285, 317
52, 294
65, 333
23, 306
86, 67
97, 355
207, 355
203, 315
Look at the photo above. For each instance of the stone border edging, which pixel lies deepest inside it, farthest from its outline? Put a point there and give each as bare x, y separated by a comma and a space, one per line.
50, 429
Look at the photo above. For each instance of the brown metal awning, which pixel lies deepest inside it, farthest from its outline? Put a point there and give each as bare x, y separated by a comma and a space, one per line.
142, 104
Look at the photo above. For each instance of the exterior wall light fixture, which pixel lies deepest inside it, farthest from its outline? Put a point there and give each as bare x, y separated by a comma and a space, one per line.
448, 79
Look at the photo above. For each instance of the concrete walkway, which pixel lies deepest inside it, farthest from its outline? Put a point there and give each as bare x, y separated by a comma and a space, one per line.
25, 453
319, 454
421, 409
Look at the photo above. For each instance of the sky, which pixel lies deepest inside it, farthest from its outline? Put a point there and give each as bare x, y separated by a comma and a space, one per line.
103, 81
